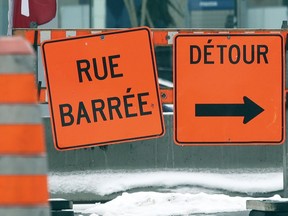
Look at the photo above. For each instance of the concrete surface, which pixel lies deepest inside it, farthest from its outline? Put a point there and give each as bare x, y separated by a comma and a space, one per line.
161, 153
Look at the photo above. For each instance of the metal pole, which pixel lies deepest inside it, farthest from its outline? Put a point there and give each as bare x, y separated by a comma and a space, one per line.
285, 145
285, 164
242, 13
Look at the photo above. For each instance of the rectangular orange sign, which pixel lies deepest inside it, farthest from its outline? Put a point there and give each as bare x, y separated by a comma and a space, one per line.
229, 89
103, 88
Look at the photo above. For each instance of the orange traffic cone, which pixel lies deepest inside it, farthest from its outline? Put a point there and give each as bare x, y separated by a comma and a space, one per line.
23, 163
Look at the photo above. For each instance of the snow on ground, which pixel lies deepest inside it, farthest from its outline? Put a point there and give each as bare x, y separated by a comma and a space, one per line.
164, 204
111, 181
180, 192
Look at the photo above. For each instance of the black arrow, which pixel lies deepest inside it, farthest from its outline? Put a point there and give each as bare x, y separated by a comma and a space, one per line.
248, 110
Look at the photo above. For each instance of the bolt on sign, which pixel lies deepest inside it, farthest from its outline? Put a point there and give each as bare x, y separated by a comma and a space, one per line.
103, 88
229, 89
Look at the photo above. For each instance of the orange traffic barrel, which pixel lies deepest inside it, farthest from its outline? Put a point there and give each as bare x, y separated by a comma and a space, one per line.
23, 162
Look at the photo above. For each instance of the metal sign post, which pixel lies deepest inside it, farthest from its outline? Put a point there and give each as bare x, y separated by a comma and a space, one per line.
285, 167
285, 145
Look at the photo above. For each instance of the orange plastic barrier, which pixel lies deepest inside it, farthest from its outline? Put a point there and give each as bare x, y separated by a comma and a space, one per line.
23, 163
161, 37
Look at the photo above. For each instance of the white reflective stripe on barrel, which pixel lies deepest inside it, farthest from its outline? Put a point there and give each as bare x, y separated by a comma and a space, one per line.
23, 165
17, 64
25, 211
20, 114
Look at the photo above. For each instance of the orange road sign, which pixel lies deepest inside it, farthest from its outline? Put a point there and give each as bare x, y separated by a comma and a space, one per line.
103, 88
229, 89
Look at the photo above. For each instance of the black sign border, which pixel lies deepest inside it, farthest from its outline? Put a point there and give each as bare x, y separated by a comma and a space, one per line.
153, 60
221, 143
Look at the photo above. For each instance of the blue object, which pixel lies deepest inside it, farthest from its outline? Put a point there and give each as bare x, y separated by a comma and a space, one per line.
211, 4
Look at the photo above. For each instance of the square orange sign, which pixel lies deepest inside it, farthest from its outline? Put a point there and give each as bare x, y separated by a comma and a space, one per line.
229, 89
103, 88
